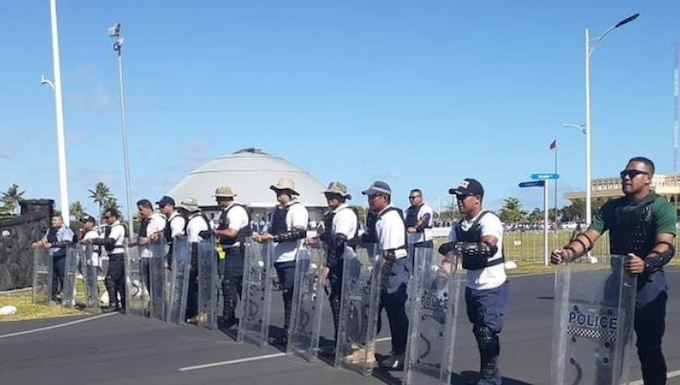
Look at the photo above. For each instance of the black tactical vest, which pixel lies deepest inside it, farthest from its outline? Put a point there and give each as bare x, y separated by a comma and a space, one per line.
473, 234
327, 235
242, 232
632, 231
411, 216
142, 227
167, 232
278, 223
52, 235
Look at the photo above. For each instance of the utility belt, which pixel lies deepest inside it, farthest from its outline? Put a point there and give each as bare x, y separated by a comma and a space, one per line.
222, 250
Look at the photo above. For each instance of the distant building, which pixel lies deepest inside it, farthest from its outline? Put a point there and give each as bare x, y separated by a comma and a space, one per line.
250, 173
667, 186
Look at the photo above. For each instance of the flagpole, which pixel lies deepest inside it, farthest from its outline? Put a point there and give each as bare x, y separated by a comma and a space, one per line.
555, 185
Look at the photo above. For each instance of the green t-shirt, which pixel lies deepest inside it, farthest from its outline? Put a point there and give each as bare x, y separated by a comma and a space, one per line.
663, 215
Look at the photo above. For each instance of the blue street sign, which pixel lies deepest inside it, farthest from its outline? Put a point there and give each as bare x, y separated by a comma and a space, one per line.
535, 183
544, 176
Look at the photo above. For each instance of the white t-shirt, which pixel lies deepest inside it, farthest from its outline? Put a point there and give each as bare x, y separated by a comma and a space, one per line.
117, 234
344, 221
296, 217
195, 226
489, 277
90, 235
391, 232
176, 222
237, 218
426, 235
156, 225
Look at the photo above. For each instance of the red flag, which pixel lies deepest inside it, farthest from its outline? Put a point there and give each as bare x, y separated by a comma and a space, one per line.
553, 145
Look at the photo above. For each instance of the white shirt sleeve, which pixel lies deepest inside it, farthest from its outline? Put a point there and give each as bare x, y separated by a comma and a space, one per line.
425, 209
156, 225
452, 233
177, 226
491, 225
345, 222
237, 218
392, 233
297, 217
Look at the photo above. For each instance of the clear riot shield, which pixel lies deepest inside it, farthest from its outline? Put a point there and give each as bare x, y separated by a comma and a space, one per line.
593, 322
432, 319
207, 284
257, 293
68, 293
42, 276
179, 286
355, 347
89, 271
157, 279
136, 301
305, 323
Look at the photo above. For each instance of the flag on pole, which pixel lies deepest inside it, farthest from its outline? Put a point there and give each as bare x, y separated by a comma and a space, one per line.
553, 145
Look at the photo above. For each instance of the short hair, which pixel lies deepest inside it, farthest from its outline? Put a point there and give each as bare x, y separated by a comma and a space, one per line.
145, 203
646, 161
416, 190
112, 212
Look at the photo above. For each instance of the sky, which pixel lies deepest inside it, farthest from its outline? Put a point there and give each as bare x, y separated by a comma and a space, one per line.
418, 94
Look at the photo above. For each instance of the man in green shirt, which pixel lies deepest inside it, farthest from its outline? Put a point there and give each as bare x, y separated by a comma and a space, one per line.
641, 226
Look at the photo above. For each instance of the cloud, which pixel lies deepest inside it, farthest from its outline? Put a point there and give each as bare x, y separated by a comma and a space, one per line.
6, 152
79, 74
98, 100
194, 153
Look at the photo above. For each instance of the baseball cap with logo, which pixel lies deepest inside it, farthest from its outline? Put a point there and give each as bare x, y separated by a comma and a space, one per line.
467, 187
378, 187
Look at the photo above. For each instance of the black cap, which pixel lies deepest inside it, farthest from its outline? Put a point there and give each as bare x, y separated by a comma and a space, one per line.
467, 187
84, 218
166, 200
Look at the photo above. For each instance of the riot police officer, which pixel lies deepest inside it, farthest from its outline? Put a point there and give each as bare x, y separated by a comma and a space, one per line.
478, 239
641, 225
112, 242
340, 231
419, 220
232, 231
390, 232
287, 227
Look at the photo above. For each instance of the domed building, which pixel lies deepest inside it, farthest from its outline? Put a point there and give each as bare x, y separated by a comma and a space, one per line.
250, 173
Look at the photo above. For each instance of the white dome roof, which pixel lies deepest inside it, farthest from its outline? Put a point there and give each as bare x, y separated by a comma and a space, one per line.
250, 173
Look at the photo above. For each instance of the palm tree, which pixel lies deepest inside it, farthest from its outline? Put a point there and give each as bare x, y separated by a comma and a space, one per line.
76, 208
512, 212
111, 203
100, 195
12, 196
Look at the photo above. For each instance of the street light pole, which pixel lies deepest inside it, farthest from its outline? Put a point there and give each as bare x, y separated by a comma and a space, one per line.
59, 105
590, 48
114, 32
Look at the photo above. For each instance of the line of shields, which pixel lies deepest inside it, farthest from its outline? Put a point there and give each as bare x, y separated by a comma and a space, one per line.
160, 290
594, 309
594, 304
78, 260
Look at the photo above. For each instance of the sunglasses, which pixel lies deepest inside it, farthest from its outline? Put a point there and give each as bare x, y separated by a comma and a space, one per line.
631, 173
371, 197
414, 197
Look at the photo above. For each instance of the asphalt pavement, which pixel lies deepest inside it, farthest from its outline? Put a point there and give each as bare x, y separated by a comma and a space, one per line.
119, 349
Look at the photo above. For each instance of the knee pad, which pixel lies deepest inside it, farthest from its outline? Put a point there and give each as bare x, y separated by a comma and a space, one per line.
485, 336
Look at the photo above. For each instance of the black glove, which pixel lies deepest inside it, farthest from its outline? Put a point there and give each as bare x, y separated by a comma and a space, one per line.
447, 248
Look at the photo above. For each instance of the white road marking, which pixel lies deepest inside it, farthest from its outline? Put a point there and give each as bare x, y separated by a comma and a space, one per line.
248, 359
670, 375
55, 326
